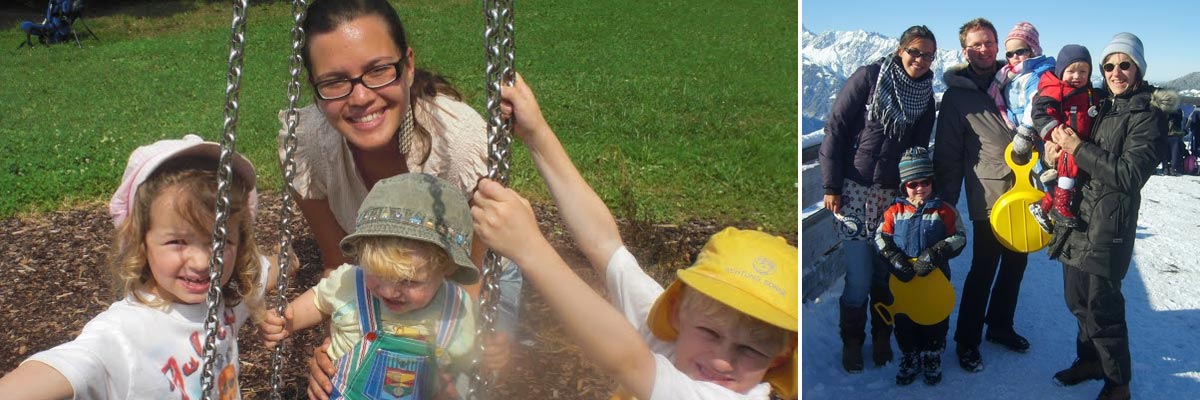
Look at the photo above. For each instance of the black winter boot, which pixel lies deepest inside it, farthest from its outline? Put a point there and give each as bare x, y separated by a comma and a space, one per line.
1113, 391
1009, 339
853, 323
881, 341
910, 366
931, 362
1079, 371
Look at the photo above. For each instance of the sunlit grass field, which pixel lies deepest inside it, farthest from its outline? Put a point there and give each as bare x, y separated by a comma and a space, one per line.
680, 110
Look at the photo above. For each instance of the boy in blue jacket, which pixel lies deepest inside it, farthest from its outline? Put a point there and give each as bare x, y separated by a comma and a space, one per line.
919, 233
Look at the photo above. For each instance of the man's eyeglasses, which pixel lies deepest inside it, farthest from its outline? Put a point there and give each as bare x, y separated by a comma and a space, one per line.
914, 53
374, 78
981, 46
1124, 66
918, 184
1018, 52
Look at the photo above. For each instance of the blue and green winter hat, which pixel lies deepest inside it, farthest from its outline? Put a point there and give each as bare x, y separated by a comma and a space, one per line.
915, 164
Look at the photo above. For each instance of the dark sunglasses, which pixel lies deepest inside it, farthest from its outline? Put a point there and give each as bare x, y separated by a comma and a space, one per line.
1018, 52
918, 184
1124, 66
914, 53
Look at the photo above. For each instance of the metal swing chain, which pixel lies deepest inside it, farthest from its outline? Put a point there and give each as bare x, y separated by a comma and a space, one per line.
292, 118
498, 42
224, 175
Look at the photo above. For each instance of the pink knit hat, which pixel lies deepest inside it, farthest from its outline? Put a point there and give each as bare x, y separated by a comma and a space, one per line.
1027, 33
146, 159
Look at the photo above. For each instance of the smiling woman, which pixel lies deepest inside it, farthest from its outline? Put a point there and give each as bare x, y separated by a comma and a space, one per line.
377, 116
859, 158
1128, 136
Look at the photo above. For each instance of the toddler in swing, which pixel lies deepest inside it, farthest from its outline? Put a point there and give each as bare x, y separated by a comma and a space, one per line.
919, 233
726, 328
149, 344
1065, 98
401, 323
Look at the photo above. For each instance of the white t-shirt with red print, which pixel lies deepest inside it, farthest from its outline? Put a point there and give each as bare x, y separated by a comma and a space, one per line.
633, 292
135, 351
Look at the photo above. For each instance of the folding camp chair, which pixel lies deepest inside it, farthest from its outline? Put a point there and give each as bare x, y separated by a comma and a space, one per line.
58, 24
74, 13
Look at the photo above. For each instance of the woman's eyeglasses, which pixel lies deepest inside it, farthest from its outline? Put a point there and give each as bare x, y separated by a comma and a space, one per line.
1018, 52
914, 53
918, 184
1124, 66
374, 78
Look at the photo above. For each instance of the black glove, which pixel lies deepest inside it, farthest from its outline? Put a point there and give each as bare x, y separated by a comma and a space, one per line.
902, 268
928, 260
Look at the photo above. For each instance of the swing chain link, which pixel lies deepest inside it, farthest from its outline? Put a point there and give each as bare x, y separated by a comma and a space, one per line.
224, 175
498, 41
292, 119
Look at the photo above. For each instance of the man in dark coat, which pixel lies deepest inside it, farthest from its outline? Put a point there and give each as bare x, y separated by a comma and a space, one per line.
969, 148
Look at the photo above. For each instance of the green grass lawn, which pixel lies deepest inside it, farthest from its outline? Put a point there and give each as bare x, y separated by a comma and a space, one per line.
682, 109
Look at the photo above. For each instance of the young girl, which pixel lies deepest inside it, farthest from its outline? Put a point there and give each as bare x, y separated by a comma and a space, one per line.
149, 344
919, 233
412, 233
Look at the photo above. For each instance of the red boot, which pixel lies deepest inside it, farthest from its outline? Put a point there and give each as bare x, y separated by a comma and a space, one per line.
1062, 208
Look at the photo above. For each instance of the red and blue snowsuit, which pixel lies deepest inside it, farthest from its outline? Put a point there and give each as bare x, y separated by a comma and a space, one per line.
911, 229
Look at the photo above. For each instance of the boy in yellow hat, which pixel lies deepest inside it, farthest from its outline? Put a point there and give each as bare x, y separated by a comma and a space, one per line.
725, 329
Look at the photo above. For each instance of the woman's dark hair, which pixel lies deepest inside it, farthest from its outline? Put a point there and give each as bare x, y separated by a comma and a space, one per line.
324, 16
916, 32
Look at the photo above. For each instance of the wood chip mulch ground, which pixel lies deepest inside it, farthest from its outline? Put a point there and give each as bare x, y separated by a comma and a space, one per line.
54, 280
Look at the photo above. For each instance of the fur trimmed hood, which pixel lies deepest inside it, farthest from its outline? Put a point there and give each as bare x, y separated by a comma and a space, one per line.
1165, 99
956, 75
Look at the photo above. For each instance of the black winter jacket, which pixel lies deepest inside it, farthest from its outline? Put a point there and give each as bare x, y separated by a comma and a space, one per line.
1127, 137
857, 149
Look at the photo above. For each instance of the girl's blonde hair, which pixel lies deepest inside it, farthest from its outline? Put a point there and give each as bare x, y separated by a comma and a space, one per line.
196, 178
398, 258
758, 332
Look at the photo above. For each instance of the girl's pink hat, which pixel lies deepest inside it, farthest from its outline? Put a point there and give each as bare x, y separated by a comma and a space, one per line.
1028, 34
146, 159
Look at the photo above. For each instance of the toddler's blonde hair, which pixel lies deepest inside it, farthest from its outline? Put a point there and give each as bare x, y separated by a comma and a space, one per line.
398, 259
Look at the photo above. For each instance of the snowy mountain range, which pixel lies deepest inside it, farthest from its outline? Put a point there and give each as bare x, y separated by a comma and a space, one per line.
828, 58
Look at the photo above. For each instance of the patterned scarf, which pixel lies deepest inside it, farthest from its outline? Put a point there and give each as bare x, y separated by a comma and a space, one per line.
1003, 77
899, 100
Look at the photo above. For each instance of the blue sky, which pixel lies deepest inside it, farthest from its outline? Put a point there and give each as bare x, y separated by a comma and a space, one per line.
1170, 30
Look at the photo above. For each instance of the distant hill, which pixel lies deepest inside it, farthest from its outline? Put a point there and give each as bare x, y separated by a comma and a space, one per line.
829, 58
1187, 85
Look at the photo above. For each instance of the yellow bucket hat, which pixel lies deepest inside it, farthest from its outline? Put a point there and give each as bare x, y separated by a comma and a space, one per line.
749, 271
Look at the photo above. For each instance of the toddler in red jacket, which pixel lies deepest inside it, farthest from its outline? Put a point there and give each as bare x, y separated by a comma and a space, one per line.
1065, 96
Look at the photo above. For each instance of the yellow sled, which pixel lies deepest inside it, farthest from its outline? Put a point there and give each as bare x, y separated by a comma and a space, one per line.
1011, 221
926, 300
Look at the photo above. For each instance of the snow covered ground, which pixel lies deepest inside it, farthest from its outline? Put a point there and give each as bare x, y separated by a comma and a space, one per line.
1162, 302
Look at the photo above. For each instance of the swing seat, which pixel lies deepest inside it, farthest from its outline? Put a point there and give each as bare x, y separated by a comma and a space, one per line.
926, 300
1010, 219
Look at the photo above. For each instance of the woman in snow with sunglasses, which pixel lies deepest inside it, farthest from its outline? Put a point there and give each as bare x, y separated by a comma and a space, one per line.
859, 159
1128, 136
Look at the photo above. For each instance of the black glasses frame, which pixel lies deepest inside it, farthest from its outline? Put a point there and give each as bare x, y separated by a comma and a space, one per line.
359, 80
1019, 52
914, 53
1124, 65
